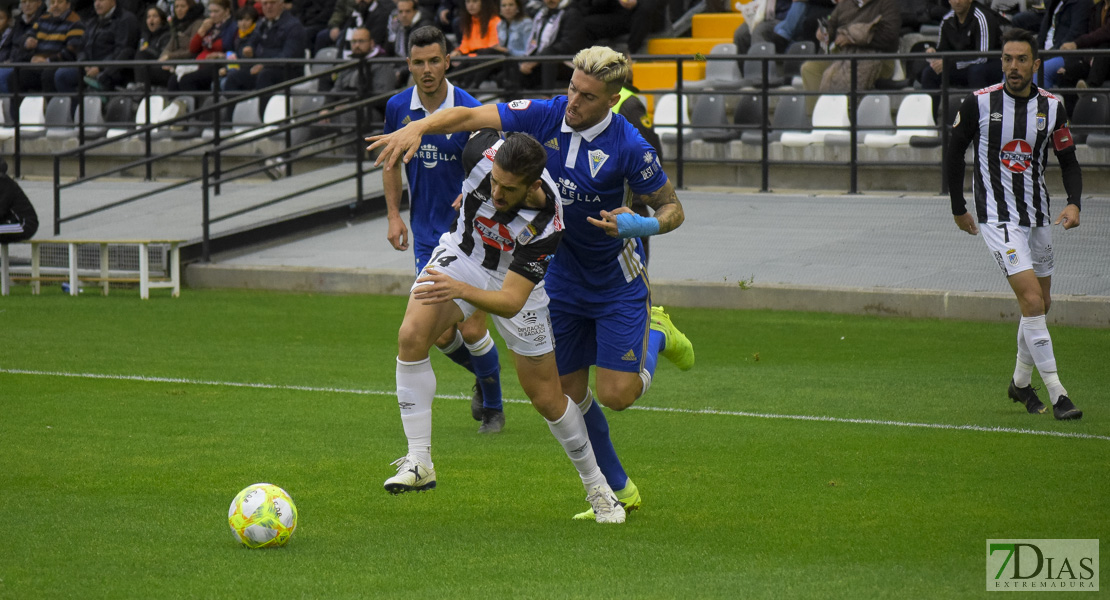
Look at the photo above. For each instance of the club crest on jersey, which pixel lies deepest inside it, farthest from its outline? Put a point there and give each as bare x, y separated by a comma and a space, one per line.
519, 104
1012, 257
1016, 155
597, 159
494, 234
1041, 120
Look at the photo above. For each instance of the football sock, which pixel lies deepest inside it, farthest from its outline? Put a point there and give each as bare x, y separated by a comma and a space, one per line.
1023, 370
457, 352
487, 367
416, 388
598, 429
1040, 347
570, 430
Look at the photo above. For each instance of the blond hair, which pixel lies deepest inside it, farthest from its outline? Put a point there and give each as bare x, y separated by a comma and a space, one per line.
604, 64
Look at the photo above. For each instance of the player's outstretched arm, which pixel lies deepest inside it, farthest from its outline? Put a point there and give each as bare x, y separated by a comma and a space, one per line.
403, 143
623, 223
397, 233
506, 302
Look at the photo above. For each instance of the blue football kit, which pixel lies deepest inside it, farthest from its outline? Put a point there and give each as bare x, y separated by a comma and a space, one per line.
435, 174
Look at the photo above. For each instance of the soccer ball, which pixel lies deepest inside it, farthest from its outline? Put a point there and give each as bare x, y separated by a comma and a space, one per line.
262, 516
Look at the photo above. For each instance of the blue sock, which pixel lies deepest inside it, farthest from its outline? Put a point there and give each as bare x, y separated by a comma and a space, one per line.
458, 353
656, 342
598, 429
487, 367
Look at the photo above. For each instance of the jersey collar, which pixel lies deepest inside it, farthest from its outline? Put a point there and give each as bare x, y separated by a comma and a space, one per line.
448, 102
592, 132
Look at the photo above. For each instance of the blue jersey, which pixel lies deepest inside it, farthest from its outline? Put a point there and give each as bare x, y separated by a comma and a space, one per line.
435, 174
591, 168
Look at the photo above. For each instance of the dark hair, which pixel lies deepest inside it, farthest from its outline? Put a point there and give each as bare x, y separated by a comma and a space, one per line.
489, 10
247, 12
3, 167
520, 14
1016, 34
161, 14
522, 155
426, 36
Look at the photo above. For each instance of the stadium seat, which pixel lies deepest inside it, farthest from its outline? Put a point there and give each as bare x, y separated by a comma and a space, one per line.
245, 115
94, 117
330, 53
1092, 110
793, 68
748, 114
119, 115
666, 117
753, 73
830, 117
275, 111
790, 115
157, 105
872, 116
710, 119
181, 105
915, 118
59, 118
32, 117
719, 74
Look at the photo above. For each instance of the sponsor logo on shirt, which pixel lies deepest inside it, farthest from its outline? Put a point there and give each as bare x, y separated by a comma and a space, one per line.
430, 156
1016, 155
494, 234
519, 104
569, 194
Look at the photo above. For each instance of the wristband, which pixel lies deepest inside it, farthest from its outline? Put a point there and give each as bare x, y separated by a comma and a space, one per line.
630, 225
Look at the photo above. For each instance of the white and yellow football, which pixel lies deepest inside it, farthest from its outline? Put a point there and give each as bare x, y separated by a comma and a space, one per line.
262, 516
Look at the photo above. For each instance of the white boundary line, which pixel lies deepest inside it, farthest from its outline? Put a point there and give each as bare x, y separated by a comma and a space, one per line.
702, 411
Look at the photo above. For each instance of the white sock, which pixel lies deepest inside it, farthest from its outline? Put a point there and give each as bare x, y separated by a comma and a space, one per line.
1023, 370
416, 388
587, 402
454, 345
479, 348
570, 430
1040, 347
645, 381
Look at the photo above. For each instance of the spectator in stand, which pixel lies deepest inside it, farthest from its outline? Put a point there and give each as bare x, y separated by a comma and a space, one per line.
855, 27
351, 14
13, 47
212, 41
801, 22
1082, 71
1064, 21
184, 25
407, 17
154, 35
18, 219
771, 12
515, 28
556, 31
445, 17
5, 32
111, 36
917, 13
968, 27
58, 38
606, 19
314, 15
278, 35
478, 22
247, 19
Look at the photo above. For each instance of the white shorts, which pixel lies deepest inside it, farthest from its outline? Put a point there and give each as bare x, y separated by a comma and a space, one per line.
1018, 248
528, 333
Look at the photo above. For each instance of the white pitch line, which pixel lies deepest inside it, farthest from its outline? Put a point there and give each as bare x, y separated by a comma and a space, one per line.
691, 411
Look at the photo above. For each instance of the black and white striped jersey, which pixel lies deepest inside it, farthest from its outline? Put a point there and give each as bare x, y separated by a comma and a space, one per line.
523, 240
1012, 137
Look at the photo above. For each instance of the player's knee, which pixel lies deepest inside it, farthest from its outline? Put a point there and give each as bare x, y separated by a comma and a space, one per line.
411, 339
617, 397
473, 330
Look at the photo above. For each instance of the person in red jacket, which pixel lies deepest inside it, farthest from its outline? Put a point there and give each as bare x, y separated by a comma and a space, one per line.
213, 40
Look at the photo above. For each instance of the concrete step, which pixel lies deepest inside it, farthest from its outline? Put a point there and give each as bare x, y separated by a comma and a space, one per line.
690, 46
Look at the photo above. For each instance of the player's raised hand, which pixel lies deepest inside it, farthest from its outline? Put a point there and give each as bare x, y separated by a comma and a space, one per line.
457, 204
608, 221
1069, 217
399, 145
966, 222
398, 234
437, 287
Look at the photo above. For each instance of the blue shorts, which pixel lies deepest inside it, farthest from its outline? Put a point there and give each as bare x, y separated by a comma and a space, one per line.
423, 252
607, 328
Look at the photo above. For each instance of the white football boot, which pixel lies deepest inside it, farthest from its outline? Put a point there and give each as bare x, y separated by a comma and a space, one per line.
606, 507
412, 476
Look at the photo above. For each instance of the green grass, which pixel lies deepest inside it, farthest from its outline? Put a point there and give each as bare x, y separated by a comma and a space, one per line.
118, 488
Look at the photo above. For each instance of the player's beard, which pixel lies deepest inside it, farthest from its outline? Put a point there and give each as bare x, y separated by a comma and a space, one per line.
1016, 83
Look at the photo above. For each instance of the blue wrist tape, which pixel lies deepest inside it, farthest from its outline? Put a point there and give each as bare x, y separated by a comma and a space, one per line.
630, 225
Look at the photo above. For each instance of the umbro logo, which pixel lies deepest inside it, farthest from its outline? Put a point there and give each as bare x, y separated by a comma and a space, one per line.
405, 405
629, 356
996, 116
580, 449
1040, 343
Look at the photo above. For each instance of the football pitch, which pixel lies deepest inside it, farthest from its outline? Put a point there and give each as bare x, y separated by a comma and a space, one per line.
806, 455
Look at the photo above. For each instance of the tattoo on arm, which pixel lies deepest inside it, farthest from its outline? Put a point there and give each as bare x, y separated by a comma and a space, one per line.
668, 210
